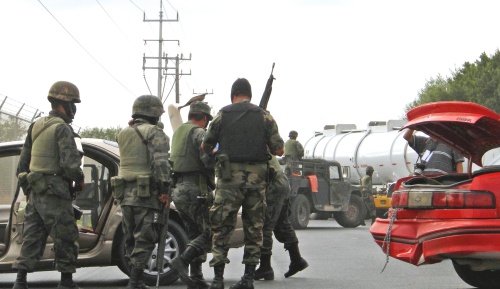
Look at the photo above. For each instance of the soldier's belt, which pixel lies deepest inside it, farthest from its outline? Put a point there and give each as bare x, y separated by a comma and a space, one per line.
256, 169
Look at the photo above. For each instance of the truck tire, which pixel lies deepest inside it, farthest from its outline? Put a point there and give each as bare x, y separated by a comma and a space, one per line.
300, 211
355, 213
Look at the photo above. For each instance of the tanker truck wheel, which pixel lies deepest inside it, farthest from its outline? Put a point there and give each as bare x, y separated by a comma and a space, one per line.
356, 212
300, 211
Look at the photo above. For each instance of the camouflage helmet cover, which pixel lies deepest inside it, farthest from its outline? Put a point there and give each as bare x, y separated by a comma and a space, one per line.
201, 107
147, 105
65, 91
293, 133
369, 170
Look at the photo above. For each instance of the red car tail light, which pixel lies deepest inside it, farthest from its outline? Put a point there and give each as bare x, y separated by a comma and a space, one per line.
450, 199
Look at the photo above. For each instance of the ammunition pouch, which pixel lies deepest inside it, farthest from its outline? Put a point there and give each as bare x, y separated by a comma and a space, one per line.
143, 186
23, 182
37, 182
223, 167
118, 185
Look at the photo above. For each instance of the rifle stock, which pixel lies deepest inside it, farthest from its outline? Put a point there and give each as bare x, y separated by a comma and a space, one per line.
267, 91
160, 261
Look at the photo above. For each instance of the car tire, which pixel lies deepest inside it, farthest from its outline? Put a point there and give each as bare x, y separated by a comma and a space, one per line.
487, 279
176, 244
300, 211
355, 213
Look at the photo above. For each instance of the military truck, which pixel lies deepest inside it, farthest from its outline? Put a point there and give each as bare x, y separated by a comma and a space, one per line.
318, 186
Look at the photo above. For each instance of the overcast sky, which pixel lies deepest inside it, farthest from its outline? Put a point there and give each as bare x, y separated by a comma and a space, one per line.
336, 61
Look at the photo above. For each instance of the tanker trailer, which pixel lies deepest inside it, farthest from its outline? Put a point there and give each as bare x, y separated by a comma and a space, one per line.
381, 145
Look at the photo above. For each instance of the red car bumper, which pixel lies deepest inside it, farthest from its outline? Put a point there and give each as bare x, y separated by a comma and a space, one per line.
428, 241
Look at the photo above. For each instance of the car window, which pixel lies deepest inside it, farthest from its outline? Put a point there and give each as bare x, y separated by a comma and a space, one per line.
334, 173
8, 179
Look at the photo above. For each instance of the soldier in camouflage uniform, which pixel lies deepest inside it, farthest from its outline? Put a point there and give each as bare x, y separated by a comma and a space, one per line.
49, 163
142, 184
245, 133
367, 191
277, 221
194, 177
294, 151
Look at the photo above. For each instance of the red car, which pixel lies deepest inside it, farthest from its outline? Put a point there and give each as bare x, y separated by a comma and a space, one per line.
453, 216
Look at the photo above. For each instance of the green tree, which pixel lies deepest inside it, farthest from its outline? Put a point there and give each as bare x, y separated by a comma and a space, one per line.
13, 128
102, 133
477, 82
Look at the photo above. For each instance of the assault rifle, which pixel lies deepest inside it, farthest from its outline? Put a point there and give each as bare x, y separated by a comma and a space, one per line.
160, 253
267, 91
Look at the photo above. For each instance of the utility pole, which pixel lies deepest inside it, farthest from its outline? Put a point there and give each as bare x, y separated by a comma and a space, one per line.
162, 57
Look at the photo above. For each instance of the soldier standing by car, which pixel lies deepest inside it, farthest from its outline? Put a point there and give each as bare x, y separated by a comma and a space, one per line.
367, 193
244, 133
49, 164
194, 178
142, 184
294, 151
277, 221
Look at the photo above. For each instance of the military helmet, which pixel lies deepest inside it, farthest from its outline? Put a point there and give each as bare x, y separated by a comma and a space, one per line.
369, 170
293, 133
241, 85
147, 105
65, 91
201, 107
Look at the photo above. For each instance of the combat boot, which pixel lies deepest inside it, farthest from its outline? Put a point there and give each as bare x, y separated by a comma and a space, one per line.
21, 282
297, 263
135, 281
218, 282
67, 282
246, 281
265, 271
196, 275
180, 264
141, 283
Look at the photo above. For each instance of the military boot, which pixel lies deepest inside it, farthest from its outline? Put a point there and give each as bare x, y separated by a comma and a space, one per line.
141, 283
21, 282
196, 275
265, 271
67, 282
297, 263
181, 263
218, 282
135, 278
246, 281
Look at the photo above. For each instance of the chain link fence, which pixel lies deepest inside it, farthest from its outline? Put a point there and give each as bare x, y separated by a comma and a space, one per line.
15, 117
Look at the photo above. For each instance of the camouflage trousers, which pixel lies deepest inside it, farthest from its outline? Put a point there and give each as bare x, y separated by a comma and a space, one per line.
194, 215
277, 215
370, 205
141, 234
49, 215
245, 190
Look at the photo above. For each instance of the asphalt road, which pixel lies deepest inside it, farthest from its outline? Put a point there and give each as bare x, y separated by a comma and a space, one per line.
338, 258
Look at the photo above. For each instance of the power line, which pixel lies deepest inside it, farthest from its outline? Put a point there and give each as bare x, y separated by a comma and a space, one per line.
102, 66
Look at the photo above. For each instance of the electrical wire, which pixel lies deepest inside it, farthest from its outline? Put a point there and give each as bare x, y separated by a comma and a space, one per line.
91, 56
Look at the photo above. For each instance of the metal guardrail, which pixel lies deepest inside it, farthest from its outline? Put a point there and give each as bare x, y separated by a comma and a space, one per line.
14, 108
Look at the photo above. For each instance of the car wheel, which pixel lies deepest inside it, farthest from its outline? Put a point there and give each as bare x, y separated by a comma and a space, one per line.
487, 279
300, 211
356, 211
176, 243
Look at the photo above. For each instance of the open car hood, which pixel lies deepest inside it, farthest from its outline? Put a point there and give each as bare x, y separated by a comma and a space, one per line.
469, 128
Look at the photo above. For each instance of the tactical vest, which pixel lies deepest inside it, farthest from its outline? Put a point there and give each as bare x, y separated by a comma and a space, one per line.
44, 150
242, 133
184, 155
134, 155
291, 148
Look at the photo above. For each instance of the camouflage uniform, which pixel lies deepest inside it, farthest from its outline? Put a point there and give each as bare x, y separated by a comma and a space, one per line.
367, 191
194, 177
143, 177
294, 151
277, 221
49, 211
